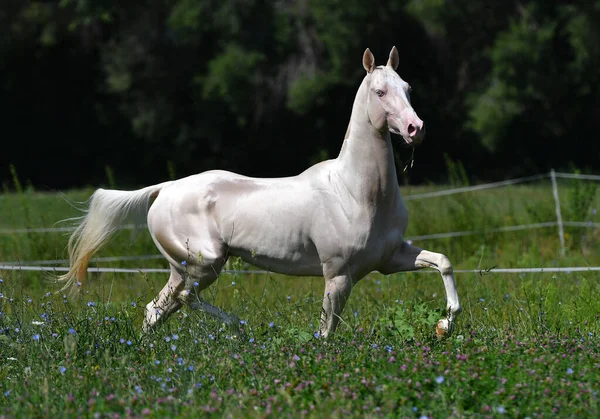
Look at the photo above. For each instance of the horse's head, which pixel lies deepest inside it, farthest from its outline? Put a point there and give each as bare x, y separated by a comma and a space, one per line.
388, 100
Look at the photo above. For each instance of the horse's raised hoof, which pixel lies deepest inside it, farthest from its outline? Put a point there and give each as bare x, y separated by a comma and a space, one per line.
444, 329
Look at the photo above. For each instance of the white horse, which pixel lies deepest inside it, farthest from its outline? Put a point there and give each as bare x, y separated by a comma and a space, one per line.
341, 218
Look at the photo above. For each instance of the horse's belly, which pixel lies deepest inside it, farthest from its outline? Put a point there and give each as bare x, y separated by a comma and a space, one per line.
305, 263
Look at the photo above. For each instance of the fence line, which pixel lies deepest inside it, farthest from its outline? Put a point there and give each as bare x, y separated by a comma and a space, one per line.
475, 188
491, 230
57, 229
116, 270
95, 259
577, 176
263, 272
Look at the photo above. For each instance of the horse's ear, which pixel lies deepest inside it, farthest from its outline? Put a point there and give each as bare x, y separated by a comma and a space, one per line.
394, 58
368, 61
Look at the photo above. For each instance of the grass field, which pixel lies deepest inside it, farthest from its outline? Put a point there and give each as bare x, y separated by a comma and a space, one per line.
526, 345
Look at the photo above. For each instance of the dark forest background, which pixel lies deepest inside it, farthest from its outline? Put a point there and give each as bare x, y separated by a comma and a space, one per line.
142, 91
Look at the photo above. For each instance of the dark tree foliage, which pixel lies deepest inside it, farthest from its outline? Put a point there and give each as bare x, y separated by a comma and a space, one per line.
153, 90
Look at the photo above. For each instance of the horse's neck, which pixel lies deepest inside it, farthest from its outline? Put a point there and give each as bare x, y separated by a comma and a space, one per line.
366, 160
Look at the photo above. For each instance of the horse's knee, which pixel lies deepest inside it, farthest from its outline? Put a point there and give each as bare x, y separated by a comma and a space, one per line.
444, 265
339, 287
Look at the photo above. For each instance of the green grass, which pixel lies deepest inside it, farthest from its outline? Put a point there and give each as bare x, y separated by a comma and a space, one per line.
525, 345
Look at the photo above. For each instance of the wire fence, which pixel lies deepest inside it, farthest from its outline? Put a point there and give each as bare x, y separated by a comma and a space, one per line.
559, 223
481, 272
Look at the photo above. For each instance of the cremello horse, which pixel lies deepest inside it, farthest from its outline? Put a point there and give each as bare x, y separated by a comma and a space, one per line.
340, 218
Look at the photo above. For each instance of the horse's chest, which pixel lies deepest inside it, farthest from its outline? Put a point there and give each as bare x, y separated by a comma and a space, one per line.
372, 232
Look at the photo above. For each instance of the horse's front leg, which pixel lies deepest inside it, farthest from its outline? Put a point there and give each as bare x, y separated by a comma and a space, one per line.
337, 292
412, 258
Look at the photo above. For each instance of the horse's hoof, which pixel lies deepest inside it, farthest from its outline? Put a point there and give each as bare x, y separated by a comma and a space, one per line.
444, 329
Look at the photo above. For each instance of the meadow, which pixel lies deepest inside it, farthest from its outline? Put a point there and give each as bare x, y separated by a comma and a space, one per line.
526, 344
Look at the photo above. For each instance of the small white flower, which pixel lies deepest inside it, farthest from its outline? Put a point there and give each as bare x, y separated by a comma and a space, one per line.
37, 323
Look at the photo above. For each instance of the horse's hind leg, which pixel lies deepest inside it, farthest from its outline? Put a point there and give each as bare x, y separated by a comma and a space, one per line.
184, 288
165, 303
202, 277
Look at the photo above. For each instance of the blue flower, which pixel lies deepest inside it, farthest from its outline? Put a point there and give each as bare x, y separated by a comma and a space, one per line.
388, 348
128, 343
91, 304
374, 346
62, 370
271, 324
196, 284
184, 263
191, 368
36, 337
439, 379
251, 340
72, 331
232, 283
122, 340
7, 393
242, 321
173, 347
175, 337
133, 304
501, 410
570, 371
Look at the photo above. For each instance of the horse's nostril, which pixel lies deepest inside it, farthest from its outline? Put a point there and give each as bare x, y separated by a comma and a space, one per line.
411, 129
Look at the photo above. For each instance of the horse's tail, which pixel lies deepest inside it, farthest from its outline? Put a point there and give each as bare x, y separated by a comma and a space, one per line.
108, 210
